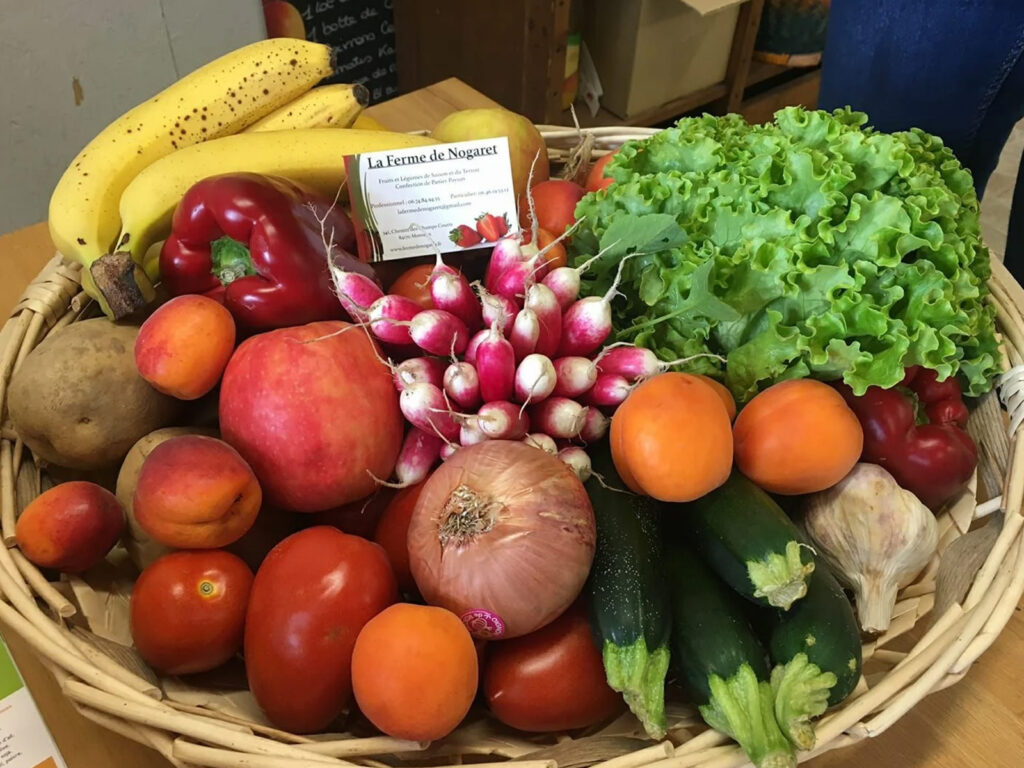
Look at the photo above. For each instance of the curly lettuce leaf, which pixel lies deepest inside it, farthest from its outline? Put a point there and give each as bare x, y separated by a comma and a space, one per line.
811, 246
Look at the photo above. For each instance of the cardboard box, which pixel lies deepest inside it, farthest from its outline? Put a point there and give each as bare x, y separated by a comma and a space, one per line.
650, 52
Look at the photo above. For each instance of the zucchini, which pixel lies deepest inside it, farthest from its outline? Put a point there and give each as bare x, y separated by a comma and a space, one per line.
817, 652
629, 600
720, 661
750, 543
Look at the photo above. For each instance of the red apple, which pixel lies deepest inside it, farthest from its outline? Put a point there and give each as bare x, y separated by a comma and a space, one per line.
315, 413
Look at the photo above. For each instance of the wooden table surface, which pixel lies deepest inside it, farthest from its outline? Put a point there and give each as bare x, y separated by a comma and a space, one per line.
978, 723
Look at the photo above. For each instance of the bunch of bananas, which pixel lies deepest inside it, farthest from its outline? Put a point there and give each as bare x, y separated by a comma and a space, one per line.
255, 109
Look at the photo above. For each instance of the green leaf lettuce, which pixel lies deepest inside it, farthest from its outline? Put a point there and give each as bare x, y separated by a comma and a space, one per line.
811, 246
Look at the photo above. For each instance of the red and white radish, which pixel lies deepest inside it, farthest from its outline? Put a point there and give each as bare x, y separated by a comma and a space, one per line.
542, 301
469, 432
424, 406
439, 332
564, 282
637, 363
587, 323
450, 291
506, 252
502, 420
356, 292
448, 450
595, 426
539, 440
578, 461
525, 332
513, 281
470, 354
535, 379
495, 362
420, 451
558, 417
462, 384
574, 375
389, 318
416, 369
609, 390
497, 309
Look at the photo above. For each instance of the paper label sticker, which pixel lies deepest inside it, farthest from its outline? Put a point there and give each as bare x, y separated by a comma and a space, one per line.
424, 200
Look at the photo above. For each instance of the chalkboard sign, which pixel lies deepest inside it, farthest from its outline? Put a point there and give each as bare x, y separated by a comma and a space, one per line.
362, 33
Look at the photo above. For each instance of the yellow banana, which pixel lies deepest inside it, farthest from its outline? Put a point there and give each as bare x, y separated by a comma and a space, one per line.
367, 123
329, 106
313, 156
217, 99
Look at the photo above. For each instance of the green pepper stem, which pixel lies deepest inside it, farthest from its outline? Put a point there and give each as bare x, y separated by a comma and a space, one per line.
742, 708
230, 259
801, 692
639, 675
781, 579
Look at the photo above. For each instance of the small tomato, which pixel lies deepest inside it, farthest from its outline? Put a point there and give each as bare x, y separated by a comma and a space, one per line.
555, 204
550, 680
596, 179
414, 284
188, 610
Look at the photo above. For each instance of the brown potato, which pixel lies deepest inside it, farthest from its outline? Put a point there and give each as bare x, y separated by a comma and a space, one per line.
78, 401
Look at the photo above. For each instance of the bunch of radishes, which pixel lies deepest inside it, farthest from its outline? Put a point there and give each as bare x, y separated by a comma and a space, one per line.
518, 359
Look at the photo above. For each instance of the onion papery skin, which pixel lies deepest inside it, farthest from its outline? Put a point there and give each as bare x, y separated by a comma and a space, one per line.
503, 536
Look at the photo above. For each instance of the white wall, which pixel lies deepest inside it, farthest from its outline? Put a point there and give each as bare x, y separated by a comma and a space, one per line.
119, 52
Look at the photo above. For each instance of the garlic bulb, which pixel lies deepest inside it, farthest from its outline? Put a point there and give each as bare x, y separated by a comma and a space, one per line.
876, 536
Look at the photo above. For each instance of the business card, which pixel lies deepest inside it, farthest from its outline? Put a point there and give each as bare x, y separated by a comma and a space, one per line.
25, 741
424, 200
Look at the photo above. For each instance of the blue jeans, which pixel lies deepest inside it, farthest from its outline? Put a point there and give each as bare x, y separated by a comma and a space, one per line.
954, 68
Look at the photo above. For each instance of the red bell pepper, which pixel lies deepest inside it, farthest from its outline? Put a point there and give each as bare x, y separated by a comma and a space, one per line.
255, 244
923, 445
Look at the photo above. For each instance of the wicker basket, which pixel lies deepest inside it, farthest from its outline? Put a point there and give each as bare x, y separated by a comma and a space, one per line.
942, 624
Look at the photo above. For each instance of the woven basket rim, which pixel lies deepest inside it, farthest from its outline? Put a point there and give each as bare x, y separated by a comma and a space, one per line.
132, 705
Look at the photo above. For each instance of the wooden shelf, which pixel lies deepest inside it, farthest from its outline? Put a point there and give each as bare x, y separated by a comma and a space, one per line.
532, 44
651, 117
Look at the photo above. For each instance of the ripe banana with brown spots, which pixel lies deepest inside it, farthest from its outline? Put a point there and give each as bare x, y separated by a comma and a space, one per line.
328, 106
218, 99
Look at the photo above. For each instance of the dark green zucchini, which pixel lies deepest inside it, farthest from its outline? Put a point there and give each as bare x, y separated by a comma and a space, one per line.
720, 660
628, 596
749, 542
816, 649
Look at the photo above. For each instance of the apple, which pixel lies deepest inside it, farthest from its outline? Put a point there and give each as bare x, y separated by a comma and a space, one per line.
524, 140
314, 411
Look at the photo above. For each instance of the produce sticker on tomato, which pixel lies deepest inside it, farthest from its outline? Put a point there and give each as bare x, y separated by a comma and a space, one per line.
424, 200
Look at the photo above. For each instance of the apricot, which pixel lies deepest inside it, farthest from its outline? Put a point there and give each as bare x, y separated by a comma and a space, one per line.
70, 527
184, 346
196, 492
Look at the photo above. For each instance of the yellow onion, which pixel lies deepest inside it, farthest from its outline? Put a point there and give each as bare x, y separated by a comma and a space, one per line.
503, 536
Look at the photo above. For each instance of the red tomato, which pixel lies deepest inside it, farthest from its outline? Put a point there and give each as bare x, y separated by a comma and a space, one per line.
312, 595
555, 203
596, 179
188, 610
551, 679
393, 531
413, 285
